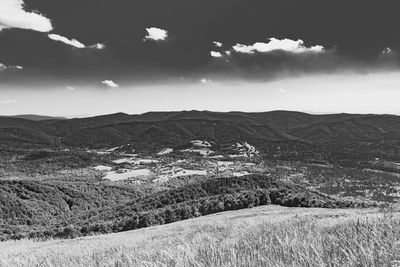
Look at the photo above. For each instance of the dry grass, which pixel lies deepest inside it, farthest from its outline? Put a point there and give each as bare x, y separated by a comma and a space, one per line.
264, 236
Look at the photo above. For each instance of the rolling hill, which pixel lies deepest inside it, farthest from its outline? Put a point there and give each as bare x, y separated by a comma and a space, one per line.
261, 236
155, 130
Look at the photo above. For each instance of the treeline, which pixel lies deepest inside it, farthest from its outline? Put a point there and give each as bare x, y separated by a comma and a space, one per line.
47, 210
194, 200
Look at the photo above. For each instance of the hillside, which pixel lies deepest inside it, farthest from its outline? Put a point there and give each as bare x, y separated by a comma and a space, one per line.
121, 172
83, 207
156, 130
261, 236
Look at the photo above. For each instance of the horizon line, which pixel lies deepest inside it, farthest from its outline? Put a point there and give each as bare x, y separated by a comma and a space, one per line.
314, 113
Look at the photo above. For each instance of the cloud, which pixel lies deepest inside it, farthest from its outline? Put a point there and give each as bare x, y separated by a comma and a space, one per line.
205, 81
276, 65
387, 50
156, 34
215, 54
71, 88
98, 46
8, 101
217, 44
13, 15
274, 44
73, 42
388, 58
5, 67
110, 84
65, 40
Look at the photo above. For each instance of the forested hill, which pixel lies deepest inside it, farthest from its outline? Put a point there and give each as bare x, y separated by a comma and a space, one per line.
161, 129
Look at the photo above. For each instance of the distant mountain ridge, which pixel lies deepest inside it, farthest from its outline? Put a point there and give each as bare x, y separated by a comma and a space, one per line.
33, 117
169, 129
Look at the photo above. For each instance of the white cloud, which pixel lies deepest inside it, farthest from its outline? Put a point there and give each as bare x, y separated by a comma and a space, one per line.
276, 44
5, 67
110, 84
248, 49
12, 15
73, 42
156, 34
8, 101
98, 46
217, 44
71, 88
205, 81
215, 54
65, 40
387, 50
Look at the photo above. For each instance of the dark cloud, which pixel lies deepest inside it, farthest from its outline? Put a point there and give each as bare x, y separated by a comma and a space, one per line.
353, 33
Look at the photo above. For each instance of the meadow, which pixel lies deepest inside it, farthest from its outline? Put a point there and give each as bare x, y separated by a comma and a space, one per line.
262, 236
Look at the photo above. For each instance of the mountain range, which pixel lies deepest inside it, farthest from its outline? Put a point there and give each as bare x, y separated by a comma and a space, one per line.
156, 130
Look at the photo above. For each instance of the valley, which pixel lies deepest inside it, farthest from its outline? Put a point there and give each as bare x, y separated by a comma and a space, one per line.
66, 178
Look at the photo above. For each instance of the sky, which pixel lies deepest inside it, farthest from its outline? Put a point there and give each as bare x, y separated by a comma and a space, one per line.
89, 57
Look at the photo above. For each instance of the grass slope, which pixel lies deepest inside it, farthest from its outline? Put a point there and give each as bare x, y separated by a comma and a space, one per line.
262, 236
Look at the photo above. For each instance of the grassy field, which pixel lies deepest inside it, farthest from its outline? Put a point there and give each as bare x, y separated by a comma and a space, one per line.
262, 236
